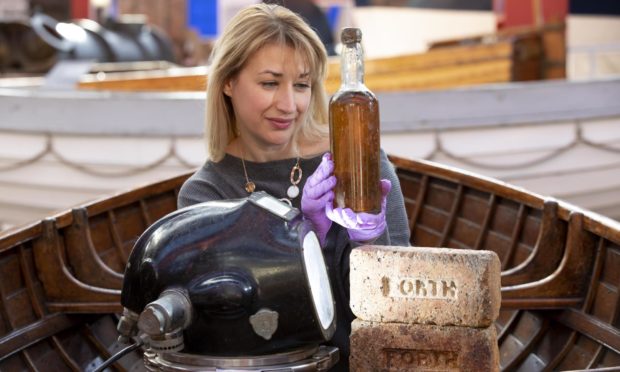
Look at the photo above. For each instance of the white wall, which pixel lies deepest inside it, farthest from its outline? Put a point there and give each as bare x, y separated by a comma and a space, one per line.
399, 30
594, 46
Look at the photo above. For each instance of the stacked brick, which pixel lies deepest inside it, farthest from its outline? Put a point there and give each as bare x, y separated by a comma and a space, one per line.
424, 309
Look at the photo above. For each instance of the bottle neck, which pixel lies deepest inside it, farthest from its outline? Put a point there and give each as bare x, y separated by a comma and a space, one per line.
352, 66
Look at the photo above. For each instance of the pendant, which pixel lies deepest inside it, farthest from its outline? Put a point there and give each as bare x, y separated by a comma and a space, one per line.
250, 186
292, 191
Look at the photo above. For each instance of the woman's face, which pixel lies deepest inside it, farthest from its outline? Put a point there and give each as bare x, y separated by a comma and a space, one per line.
270, 97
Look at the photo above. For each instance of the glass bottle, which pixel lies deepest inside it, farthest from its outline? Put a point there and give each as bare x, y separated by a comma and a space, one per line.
354, 132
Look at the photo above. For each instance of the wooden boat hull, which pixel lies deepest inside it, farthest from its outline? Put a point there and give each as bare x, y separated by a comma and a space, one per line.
560, 282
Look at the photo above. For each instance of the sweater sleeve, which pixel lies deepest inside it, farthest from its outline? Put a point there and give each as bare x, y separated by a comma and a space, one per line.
197, 189
397, 223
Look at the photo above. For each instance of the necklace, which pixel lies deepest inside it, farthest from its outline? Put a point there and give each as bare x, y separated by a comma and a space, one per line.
295, 177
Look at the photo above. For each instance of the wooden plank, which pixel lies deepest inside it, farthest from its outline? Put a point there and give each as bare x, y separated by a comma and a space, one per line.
547, 252
432, 59
484, 227
514, 239
557, 359
415, 214
547, 303
536, 328
14, 237
58, 282
82, 255
547, 42
60, 350
100, 347
434, 77
145, 213
29, 278
125, 82
566, 286
391, 68
86, 307
442, 77
116, 237
595, 277
554, 44
591, 327
446, 233
508, 325
35, 332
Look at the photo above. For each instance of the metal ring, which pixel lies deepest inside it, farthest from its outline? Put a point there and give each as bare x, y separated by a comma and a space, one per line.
296, 168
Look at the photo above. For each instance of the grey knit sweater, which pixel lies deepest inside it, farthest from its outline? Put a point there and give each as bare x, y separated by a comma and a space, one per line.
225, 180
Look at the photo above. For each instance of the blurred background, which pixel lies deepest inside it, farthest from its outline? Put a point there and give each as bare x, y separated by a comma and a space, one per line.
391, 26
101, 96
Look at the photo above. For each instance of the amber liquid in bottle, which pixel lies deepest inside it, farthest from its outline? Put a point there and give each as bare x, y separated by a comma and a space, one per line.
355, 134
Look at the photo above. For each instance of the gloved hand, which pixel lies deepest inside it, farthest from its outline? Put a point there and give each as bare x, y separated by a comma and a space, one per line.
362, 227
319, 192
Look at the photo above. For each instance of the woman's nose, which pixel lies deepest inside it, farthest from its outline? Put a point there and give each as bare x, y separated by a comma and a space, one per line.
285, 99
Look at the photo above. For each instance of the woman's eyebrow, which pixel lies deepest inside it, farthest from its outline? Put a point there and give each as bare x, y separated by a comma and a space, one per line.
279, 74
274, 73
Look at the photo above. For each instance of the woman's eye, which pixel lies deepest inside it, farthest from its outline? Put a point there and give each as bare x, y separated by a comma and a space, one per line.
269, 84
302, 86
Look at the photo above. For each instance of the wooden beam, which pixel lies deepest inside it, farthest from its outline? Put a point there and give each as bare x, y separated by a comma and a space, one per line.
35, 332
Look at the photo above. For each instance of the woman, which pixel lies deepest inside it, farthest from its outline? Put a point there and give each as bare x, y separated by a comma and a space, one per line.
266, 129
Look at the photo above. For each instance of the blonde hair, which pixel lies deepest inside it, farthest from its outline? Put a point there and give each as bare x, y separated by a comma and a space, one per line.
251, 29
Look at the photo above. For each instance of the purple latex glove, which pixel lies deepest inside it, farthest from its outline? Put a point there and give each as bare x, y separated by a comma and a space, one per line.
318, 192
362, 227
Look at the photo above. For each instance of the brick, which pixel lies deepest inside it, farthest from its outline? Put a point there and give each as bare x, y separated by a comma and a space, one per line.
425, 285
383, 347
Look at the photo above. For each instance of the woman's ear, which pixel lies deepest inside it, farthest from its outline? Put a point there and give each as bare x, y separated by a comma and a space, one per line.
228, 87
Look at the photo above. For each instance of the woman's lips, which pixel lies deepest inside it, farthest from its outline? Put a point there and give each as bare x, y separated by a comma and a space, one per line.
281, 123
